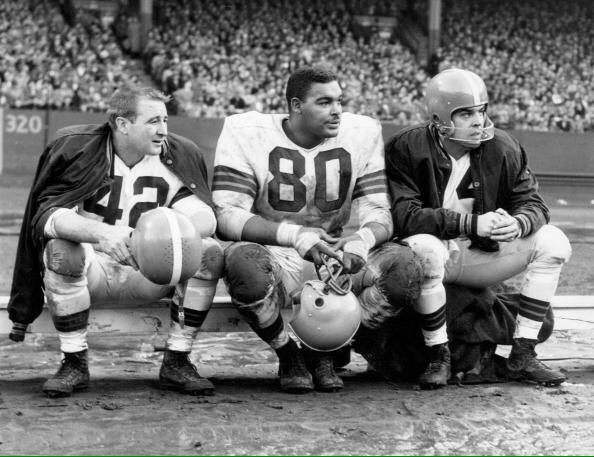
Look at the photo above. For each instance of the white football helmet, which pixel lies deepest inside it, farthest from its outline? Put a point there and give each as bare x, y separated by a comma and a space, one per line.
326, 314
166, 246
454, 89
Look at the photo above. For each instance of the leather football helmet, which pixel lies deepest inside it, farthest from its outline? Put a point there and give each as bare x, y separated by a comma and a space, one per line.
454, 89
166, 246
326, 314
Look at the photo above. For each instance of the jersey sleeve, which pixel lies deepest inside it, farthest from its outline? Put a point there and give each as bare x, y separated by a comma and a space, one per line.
190, 205
234, 185
370, 195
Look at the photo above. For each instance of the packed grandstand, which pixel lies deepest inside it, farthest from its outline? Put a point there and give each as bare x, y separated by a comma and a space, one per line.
219, 58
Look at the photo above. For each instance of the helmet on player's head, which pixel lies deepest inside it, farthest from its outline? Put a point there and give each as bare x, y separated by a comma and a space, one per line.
452, 90
326, 314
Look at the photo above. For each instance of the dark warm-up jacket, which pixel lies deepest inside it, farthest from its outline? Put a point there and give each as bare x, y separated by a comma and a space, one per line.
73, 167
418, 171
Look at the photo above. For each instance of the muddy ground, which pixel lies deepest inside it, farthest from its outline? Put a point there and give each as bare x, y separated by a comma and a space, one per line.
124, 412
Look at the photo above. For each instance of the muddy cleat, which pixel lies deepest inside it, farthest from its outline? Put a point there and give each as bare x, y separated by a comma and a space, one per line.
294, 377
438, 371
180, 375
321, 366
72, 375
522, 365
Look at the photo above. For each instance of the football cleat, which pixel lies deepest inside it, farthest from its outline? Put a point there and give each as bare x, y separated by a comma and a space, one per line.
438, 371
72, 375
321, 367
522, 365
180, 375
292, 370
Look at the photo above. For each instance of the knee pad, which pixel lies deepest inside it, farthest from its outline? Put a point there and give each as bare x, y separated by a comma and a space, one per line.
432, 254
249, 272
65, 257
212, 264
401, 275
552, 243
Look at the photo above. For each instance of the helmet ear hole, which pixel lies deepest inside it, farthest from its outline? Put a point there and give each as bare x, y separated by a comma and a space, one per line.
443, 130
325, 320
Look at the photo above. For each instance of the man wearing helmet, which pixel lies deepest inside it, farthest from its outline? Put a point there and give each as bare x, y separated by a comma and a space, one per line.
466, 201
283, 189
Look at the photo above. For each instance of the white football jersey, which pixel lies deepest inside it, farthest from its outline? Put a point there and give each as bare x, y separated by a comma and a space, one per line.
459, 192
259, 170
133, 191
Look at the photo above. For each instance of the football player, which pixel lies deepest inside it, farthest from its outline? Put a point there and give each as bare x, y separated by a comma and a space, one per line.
284, 187
92, 185
466, 201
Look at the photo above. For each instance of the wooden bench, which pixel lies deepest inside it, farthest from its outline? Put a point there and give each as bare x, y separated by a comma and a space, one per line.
571, 312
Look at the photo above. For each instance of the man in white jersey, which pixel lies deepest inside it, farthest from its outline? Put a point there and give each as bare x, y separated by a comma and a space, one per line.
466, 201
93, 184
284, 187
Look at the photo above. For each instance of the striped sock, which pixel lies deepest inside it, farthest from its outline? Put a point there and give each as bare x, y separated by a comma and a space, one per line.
433, 327
530, 317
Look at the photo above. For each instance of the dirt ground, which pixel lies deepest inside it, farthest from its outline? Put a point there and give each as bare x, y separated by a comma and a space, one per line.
123, 412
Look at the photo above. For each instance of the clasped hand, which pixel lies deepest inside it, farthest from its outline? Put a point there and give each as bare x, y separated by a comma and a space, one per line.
498, 225
342, 249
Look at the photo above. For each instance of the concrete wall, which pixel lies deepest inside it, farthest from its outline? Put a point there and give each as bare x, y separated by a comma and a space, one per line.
26, 131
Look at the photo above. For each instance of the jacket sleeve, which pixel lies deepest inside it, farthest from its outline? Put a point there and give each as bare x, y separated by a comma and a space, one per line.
26, 294
524, 201
190, 166
409, 213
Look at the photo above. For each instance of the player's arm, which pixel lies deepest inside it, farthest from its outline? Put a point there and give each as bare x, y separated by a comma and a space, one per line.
525, 210
200, 214
236, 222
371, 206
113, 240
234, 190
408, 214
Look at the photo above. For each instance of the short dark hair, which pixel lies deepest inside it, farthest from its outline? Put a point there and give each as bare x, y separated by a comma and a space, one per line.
301, 80
123, 101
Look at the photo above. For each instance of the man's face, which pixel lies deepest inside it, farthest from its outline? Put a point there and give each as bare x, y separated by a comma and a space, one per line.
469, 123
321, 110
148, 131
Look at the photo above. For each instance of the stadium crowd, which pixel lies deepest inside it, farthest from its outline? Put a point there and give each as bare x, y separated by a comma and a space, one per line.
46, 62
218, 58
221, 58
536, 60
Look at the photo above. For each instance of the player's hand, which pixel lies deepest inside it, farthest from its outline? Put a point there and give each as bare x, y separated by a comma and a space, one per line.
507, 229
313, 241
116, 244
354, 253
487, 222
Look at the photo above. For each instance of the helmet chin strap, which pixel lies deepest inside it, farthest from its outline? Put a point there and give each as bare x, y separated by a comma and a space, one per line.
487, 132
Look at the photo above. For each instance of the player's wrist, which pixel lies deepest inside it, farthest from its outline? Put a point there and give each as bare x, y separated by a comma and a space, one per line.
305, 241
286, 234
367, 236
468, 224
523, 225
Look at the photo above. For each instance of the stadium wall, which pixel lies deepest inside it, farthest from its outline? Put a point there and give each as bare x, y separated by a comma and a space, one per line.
25, 133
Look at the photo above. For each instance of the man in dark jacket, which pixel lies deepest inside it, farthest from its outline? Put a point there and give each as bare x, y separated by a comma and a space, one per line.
465, 200
91, 186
